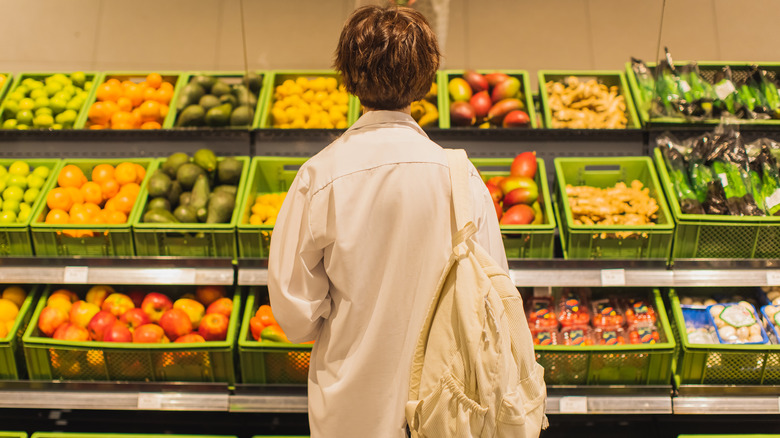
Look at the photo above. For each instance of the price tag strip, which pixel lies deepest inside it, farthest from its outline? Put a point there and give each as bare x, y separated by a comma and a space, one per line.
613, 277
573, 405
773, 278
75, 275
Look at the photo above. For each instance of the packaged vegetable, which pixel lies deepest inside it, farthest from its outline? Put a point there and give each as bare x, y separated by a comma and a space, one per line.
678, 172
698, 327
701, 335
639, 311
769, 90
772, 318
646, 83
764, 171
666, 89
541, 313
737, 323
643, 333
729, 162
606, 313
576, 335
545, 336
609, 336
573, 308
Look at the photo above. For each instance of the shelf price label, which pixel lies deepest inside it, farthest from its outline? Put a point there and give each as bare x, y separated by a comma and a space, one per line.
613, 277
149, 401
573, 405
75, 274
773, 278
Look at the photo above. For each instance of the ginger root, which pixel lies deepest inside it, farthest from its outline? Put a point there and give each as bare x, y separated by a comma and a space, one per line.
586, 105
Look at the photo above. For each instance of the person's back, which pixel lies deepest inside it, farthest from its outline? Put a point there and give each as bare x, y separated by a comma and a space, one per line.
358, 249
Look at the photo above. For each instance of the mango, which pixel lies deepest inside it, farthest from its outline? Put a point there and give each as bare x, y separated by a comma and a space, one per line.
507, 89
459, 89
502, 108
481, 103
476, 81
496, 78
462, 114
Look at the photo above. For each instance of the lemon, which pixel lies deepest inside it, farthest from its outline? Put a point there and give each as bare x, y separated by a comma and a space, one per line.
308, 96
302, 82
331, 84
15, 294
19, 168
8, 309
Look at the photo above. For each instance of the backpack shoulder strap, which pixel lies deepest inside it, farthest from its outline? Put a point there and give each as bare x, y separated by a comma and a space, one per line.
459, 179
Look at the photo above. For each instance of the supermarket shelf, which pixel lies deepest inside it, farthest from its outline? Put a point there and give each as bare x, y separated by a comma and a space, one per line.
619, 400
269, 399
131, 270
727, 399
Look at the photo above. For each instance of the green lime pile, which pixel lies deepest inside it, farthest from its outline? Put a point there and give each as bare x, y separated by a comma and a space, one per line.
20, 187
51, 103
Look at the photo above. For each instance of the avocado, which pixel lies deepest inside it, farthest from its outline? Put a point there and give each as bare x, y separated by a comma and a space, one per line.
206, 159
219, 115
220, 88
185, 213
157, 203
229, 171
192, 115
204, 81
233, 190
173, 194
220, 208
187, 174
172, 163
159, 216
159, 184
244, 96
202, 214
190, 94
229, 98
254, 81
200, 192
208, 101
242, 116
185, 198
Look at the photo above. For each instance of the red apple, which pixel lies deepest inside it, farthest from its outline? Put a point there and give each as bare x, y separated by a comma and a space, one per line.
208, 294
97, 294
192, 337
71, 332
222, 305
192, 308
520, 195
98, 324
516, 119
519, 214
134, 318
214, 327
155, 304
481, 103
175, 323
495, 192
117, 304
117, 332
149, 334
50, 319
524, 164
137, 297
81, 312
499, 210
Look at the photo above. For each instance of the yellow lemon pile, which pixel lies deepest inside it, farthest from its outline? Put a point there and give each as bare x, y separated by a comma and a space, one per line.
266, 208
303, 103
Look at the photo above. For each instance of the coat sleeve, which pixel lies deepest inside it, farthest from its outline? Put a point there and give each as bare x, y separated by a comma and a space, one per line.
297, 283
488, 231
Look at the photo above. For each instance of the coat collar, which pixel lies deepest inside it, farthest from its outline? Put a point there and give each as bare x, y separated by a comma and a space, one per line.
373, 119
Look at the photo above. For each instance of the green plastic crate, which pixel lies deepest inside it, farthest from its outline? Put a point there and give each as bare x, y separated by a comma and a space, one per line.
118, 435
740, 71
188, 239
82, 112
628, 364
718, 236
15, 238
599, 241
11, 353
268, 362
444, 95
63, 240
273, 79
730, 436
233, 77
9, 78
607, 77
721, 364
267, 175
137, 77
524, 241
52, 359
8, 434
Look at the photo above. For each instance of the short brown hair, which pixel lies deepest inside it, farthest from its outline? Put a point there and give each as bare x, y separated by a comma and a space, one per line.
387, 57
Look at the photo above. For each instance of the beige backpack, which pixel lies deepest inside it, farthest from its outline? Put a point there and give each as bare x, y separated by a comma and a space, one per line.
474, 372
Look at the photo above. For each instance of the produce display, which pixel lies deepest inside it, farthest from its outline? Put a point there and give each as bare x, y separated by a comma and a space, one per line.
266, 208
491, 100
516, 196
577, 103
424, 111
618, 205
584, 322
263, 326
46, 102
20, 187
216, 101
126, 104
201, 188
722, 318
11, 300
305, 102
138, 316
694, 92
106, 197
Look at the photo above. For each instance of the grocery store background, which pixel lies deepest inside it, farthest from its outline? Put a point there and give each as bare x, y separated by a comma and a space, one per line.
180, 35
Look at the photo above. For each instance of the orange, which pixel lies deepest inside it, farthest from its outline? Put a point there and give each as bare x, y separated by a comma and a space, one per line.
109, 188
151, 125
80, 217
131, 189
75, 194
102, 172
125, 173
70, 176
97, 126
135, 93
122, 125
122, 118
163, 110
116, 217
92, 192
114, 81
126, 83
123, 202
111, 108
163, 95
110, 205
98, 113
167, 86
124, 104
109, 92
154, 80
92, 209
140, 172
150, 111
76, 208
57, 216
97, 220
59, 199
149, 93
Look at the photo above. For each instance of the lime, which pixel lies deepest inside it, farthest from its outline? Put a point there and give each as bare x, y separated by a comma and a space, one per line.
58, 104
19, 168
67, 117
11, 106
22, 127
11, 205
56, 126
13, 193
78, 78
62, 95
35, 181
7, 217
24, 117
9, 124
59, 78
41, 171
43, 110
26, 104
23, 215
38, 93
21, 89
3, 172
41, 102
31, 195
16, 96
17, 181
75, 104
52, 88
24, 207
43, 121
87, 85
